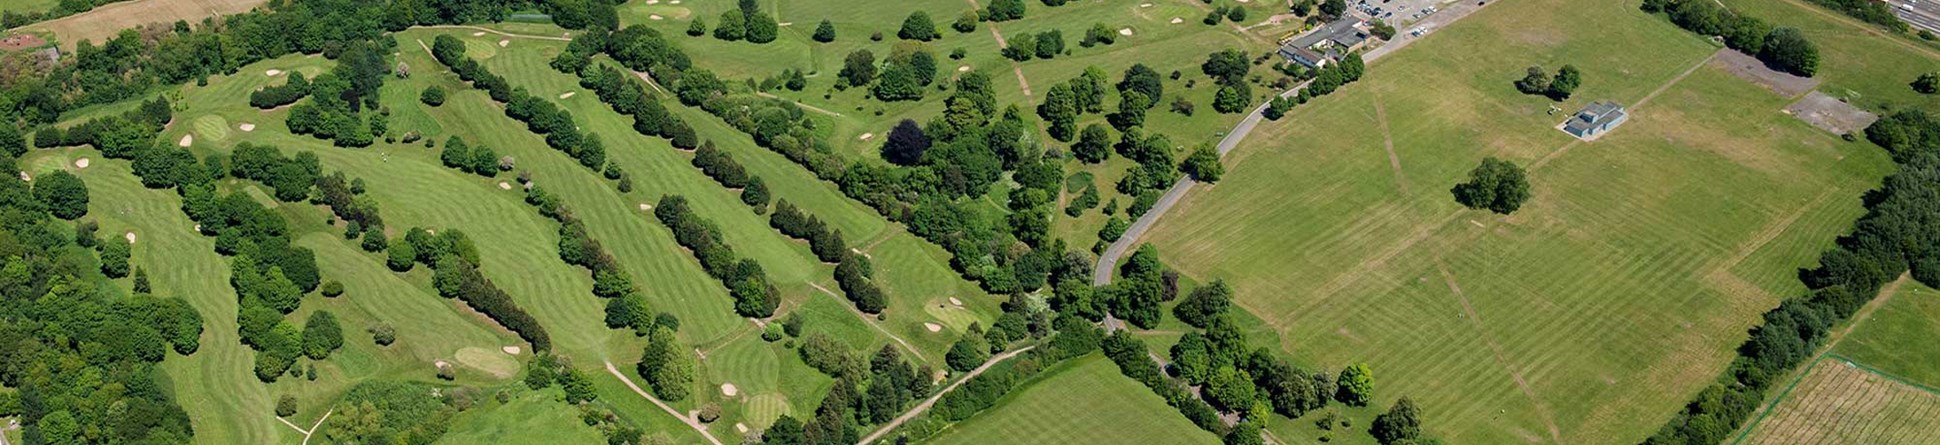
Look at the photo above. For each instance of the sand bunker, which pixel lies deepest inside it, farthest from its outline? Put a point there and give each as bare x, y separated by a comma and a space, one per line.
480, 33
933, 327
567, 94
955, 302
674, 2
653, 2
1125, 32
1144, 5
272, 73
740, 427
865, 136
503, 43
187, 139
81, 163
728, 389
655, 17
963, 69
130, 236
502, 185
512, 350
645, 206
25, 177
1176, 20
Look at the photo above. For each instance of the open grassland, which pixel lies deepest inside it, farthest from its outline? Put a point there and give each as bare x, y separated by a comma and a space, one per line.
1899, 337
102, 23
24, 6
529, 417
1837, 402
1084, 400
1637, 264
1859, 62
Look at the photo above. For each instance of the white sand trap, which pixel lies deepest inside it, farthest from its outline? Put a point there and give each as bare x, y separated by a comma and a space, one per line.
513, 350
787, 23
1176, 20
963, 69
655, 17
728, 389
502, 185
741, 427
246, 127
933, 327
955, 302
130, 236
26, 177
81, 163
567, 94
866, 136
187, 139
480, 33
503, 43
1125, 32
645, 206
674, 2
1144, 5
272, 73
653, 2
198, 227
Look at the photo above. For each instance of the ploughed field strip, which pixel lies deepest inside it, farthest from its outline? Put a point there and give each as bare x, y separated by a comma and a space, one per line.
1840, 402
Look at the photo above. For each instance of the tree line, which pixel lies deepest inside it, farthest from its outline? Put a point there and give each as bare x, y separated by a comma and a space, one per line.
1895, 236
754, 294
869, 389
853, 272
540, 116
1782, 48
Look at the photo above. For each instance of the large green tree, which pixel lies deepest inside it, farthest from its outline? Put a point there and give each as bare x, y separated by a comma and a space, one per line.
63, 193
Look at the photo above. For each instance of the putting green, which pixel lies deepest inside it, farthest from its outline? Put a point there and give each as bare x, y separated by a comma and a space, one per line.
491, 361
762, 410
211, 128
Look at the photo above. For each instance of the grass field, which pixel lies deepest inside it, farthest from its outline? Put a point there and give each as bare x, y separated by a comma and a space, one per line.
1084, 400
1637, 264
1839, 403
102, 23
28, 5
1898, 337
1859, 61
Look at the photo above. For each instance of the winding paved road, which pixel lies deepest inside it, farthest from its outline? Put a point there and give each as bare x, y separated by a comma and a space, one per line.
1108, 262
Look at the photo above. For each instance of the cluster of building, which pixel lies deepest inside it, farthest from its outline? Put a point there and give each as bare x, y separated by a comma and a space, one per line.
1327, 44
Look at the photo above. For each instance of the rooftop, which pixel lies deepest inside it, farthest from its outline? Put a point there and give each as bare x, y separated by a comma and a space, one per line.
1341, 31
1595, 115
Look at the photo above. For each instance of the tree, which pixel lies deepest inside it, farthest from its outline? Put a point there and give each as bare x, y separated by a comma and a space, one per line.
966, 22
697, 28
1928, 83
1356, 385
1237, 14
1536, 81
1565, 83
321, 335
383, 334
733, 26
859, 68
402, 257
825, 32
906, 144
1144, 80
1788, 50
1246, 433
1203, 165
12, 142
1277, 108
1049, 44
1204, 304
1020, 47
1227, 66
1233, 98
1098, 34
1497, 185
1094, 144
432, 95
917, 27
1231, 389
667, 367
1060, 110
969, 352
285, 406
114, 256
64, 194
1004, 10
1332, 9
761, 28
1401, 423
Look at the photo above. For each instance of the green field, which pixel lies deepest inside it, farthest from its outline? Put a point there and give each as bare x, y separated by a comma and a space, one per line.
1084, 400
1860, 62
1898, 337
1637, 264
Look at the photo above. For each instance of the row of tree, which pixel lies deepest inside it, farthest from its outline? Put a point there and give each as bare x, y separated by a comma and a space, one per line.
1783, 48
754, 294
853, 272
292, 90
869, 389
540, 116
1896, 235
1325, 80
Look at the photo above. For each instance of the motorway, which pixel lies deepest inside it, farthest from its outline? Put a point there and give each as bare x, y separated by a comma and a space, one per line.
1108, 262
1922, 14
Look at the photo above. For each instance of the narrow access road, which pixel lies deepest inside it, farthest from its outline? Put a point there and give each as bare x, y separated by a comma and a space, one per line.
1107, 262
691, 423
925, 406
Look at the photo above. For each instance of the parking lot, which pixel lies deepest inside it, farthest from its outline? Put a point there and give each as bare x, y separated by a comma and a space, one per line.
1401, 13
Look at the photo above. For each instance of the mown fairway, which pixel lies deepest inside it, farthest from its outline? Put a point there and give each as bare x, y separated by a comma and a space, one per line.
1839, 403
1084, 400
1605, 302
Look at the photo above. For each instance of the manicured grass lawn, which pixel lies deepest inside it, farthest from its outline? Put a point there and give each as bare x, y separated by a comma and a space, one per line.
1638, 263
1899, 337
529, 417
1085, 400
1871, 70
